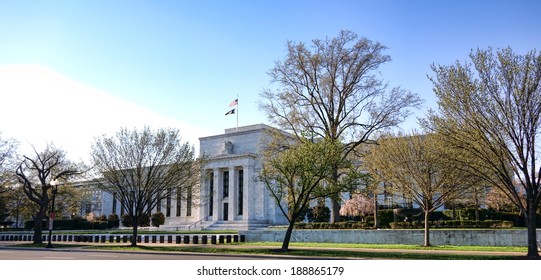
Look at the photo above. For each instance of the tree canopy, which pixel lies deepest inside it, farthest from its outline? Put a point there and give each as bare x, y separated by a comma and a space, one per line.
490, 108
417, 166
8, 148
37, 175
296, 176
140, 168
331, 89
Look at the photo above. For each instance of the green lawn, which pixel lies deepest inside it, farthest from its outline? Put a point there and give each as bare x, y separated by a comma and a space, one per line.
311, 252
325, 250
394, 246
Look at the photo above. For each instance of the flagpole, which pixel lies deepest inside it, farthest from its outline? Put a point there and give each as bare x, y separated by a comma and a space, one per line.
237, 130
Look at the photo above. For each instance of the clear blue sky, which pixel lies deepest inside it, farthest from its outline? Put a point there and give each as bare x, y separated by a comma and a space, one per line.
188, 60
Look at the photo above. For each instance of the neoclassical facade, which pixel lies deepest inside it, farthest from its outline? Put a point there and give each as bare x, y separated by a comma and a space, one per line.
232, 195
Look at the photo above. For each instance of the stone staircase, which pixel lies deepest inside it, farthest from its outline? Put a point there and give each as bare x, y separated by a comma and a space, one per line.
236, 225
184, 226
216, 225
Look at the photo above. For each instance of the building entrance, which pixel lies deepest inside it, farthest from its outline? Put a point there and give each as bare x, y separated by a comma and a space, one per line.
226, 211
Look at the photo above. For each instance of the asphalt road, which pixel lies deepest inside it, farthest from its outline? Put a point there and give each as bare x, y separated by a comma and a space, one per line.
7, 253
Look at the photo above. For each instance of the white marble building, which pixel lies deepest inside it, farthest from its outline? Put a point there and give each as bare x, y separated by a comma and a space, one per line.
231, 196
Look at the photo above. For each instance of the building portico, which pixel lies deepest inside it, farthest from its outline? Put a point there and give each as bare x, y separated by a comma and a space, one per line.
231, 191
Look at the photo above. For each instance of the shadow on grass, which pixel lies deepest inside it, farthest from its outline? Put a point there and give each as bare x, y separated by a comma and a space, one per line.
42, 245
339, 254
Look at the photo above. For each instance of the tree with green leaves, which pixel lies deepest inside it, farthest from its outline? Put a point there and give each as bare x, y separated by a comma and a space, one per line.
143, 167
490, 109
296, 176
331, 89
417, 166
8, 149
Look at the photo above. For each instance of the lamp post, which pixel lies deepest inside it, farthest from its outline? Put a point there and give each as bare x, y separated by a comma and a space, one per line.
54, 186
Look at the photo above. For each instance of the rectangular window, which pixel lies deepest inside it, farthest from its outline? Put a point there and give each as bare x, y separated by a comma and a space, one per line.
211, 193
114, 203
241, 186
88, 208
179, 200
168, 204
189, 201
159, 205
226, 184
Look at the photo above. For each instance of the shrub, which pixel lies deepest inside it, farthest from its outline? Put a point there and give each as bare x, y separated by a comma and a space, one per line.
385, 218
319, 213
144, 221
73, 224
468, 214
453, 224
339, 225
113, 221
401, 225
126, 220
157, 219
302, 214
438, 215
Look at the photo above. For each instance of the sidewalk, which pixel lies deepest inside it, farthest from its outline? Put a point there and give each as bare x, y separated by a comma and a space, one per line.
82, 246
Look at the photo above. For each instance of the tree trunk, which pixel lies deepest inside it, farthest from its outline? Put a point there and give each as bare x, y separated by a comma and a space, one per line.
134, 234
38, 229
477, 218
532, 231
427, 227
38, 224
287, 237
376, 220
336, 201
335, 210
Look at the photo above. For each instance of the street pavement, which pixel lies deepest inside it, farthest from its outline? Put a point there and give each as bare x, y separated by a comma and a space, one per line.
9, 251
9, 245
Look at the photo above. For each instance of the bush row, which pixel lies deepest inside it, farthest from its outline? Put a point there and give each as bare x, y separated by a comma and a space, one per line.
145, 220
75, 224
453, 224
79, 223
338, 225
409, 225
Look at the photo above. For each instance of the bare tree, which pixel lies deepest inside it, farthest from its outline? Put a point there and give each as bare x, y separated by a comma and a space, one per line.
331, 90
417, 166
143, 167
491, 110
36, 174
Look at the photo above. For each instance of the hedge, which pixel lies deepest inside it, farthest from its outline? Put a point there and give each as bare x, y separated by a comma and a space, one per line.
453, 224
338, 225
75, 224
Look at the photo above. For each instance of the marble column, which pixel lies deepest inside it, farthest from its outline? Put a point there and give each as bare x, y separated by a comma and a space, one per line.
233, 189
217, 201
246, 193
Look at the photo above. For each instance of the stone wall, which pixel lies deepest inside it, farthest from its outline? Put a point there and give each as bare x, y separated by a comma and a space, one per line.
511, 237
